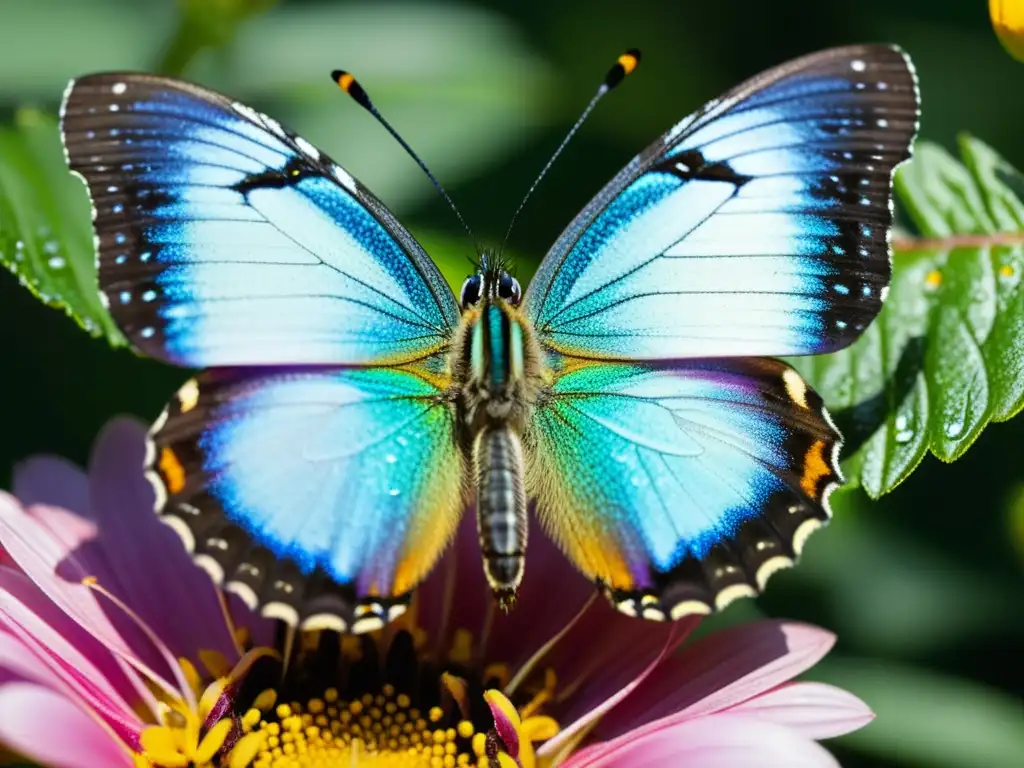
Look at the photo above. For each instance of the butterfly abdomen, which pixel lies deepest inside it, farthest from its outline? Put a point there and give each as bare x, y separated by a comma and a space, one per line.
501, 509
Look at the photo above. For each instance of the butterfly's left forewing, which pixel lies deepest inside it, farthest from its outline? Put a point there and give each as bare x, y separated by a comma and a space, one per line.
681, 487
225, 239
322, 495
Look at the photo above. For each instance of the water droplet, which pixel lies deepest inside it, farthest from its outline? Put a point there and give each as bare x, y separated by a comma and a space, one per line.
402, 441
954, 428
904, 436
51, 246
57, 262
901, 421
394, 492
391, 458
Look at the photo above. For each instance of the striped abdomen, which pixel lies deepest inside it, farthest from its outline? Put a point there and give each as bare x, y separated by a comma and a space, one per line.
501, 509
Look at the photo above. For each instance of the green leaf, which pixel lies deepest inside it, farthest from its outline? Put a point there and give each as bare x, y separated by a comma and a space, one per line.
927, 719
946, 355
45, 233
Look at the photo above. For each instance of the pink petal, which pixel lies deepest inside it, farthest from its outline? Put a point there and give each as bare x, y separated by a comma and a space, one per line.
46, 727
816, 710
68, 651
551, 594
17, 662
455, 596
53, 481
157, 578
553, 746
720, 671
724, 740
58, 568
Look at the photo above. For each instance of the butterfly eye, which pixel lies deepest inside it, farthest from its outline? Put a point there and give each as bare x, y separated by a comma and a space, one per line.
508, 289
470, 293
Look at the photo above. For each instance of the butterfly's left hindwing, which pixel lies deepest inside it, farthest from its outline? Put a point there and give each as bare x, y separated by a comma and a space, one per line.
224, 239
680, 488
757, 226
322, 495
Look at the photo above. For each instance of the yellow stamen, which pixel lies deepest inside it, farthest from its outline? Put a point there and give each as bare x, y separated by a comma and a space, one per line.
498, 699
191, 675
245, 750
215, 662
212, 741
161, 746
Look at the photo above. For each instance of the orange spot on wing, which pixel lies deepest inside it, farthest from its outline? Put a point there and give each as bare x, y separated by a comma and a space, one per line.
172, 470
345, 82
815, 468
628, 62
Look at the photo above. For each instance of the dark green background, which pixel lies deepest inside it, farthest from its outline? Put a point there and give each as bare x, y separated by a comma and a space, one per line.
924, 587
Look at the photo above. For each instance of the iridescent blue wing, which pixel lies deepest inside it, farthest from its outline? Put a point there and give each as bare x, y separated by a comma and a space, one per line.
681, 487
224, 239
323, 495
757, 226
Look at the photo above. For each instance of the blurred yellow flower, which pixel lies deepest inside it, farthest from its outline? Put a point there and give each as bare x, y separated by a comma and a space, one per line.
1008, 22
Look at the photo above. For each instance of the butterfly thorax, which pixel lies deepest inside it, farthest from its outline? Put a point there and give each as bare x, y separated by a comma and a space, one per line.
496, 371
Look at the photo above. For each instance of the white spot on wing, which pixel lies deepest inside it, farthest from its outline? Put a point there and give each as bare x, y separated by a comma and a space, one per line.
281, 611
328, 621
806, 528
344, 178
689, 608
396, 610
119, 88
770, 567
367, 624
246, 111
188, 395
796, 388
732, 593
244, 591
307, 148
181, 528
273, 126
212, 567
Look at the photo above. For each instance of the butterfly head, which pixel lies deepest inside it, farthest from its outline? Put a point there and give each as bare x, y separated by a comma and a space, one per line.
492, 280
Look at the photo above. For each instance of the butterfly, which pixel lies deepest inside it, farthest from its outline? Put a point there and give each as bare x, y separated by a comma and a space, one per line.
351, 408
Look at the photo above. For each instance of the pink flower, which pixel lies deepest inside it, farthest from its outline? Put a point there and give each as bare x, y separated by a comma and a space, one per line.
116, 651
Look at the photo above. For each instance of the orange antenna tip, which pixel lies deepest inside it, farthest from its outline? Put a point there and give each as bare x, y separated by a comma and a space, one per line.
351, 86
623, 66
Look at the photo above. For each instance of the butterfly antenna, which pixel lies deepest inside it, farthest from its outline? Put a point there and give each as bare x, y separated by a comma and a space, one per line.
351, 86
623, 66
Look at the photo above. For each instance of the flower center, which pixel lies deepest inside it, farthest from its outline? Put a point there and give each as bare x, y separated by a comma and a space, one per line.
372, 731
349, 701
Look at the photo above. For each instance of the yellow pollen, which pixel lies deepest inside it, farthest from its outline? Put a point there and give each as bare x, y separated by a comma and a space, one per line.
933, 279
374, 731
